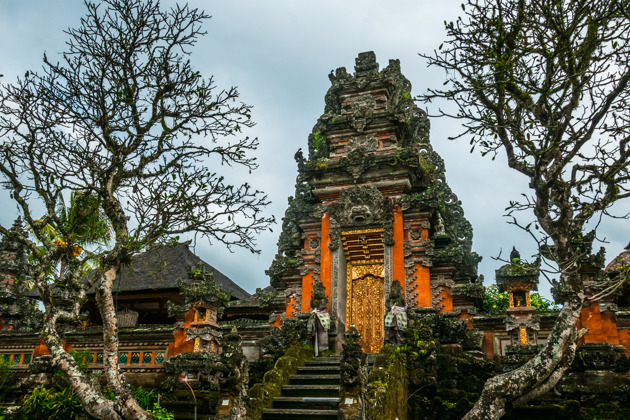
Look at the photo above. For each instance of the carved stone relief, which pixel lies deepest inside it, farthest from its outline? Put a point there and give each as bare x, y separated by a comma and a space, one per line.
416, 234
360, 206
363, 144
410, 285
389, 272
334, 283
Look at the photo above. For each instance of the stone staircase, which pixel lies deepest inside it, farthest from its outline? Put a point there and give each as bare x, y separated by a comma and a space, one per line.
312, 393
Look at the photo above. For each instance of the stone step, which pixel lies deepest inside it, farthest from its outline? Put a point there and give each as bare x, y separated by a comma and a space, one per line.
319, 370
310, 391
312, 379
313, 403
292, 414
318, 361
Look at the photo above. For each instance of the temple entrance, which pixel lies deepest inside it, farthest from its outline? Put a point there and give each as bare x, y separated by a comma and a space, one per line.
365, 286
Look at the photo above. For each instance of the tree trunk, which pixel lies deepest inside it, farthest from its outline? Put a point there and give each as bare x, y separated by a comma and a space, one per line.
540, 373
95, 404
127, 404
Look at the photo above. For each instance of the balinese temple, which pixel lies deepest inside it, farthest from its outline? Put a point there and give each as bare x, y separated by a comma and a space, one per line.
372, 221
371, 207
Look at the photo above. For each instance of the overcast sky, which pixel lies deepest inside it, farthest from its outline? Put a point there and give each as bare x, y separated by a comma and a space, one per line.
279, 54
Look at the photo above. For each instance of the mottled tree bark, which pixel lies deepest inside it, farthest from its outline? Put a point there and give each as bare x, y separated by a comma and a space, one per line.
95, 404
127, 405
538, 375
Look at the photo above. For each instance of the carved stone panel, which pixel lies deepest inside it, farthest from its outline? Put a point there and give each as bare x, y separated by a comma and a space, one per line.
360, 206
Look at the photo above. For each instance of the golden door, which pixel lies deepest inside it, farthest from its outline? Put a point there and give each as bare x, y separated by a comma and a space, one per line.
367, 311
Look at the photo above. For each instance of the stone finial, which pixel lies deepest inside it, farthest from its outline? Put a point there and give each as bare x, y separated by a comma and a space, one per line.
365, 63
515, 256
319, 300
352, 335
9, 244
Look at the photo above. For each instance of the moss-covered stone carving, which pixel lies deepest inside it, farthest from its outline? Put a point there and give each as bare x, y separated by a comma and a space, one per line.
17, 311
353, 377
261, 395
202, 289
387, 387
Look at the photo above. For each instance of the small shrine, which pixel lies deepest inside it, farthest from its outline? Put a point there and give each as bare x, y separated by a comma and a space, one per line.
518, 279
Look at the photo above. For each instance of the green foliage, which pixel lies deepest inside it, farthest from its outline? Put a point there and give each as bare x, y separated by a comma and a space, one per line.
543, 304
49, 404
82, 358
84, 221
146, 397
161, 413
63, 404
317, 140
6, 374
496, 302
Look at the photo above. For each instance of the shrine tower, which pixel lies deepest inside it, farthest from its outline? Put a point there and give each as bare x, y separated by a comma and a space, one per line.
372, 207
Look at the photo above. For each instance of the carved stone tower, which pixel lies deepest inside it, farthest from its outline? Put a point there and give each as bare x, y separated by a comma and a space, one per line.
17, 312
372, 206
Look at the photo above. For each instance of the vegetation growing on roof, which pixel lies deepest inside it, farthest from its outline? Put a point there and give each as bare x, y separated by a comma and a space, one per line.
202, 289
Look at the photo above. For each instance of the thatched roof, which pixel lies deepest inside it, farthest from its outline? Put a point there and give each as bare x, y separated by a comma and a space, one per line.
620, 261
161, 267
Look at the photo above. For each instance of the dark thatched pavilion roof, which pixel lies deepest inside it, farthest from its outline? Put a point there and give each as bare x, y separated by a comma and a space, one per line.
619, 262
161, 267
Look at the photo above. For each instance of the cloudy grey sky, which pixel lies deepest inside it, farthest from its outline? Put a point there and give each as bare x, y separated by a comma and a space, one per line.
279, 54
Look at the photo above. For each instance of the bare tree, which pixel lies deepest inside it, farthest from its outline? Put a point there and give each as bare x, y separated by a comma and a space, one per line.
546, 83
125, 120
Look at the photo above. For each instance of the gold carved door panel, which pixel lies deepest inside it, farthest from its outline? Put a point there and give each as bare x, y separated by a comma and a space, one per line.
367, 305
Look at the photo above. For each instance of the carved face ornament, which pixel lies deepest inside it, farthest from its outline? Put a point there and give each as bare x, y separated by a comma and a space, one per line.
360, 214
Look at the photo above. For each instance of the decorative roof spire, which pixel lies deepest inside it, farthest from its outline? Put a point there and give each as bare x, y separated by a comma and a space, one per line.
9, 244
365, 63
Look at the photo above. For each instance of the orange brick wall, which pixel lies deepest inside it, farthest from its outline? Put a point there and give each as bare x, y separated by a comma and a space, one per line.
469, 319
290, 310
488, 345
423, 282
602, 327
446, 301
180, 345
326, 258
624, 339
307, 289
40, 349
398, 257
